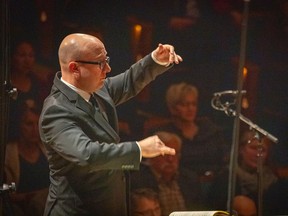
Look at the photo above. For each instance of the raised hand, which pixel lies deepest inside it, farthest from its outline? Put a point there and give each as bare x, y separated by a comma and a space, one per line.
166, 53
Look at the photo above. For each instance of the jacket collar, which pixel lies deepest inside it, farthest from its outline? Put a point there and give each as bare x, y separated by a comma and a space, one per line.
80, 103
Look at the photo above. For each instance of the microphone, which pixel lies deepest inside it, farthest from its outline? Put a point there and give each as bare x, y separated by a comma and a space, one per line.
228, 92
218, 104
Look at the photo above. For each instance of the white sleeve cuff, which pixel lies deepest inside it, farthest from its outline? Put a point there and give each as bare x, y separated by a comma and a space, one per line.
139, 150
166, 64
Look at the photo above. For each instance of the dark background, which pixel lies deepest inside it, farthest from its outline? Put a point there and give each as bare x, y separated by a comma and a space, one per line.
210, 49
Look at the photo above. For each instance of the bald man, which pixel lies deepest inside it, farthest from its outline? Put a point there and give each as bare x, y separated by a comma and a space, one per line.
244, 206
79, 127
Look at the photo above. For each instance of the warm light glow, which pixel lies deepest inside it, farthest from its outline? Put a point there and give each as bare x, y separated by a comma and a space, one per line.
138, 29
245, 72
43, 16
137, 33
245, 103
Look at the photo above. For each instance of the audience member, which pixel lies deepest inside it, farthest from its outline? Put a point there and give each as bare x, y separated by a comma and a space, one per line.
145, 202
24, 79
26, 163
29, 83
244, 206
177, 189
247, 172
204, 148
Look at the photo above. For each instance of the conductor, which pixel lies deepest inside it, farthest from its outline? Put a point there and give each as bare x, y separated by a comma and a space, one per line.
79, 127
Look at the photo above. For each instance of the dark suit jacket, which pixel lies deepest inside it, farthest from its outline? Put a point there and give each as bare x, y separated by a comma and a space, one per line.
86, 160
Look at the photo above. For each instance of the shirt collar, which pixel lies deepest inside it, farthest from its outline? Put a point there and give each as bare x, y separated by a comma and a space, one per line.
82, 93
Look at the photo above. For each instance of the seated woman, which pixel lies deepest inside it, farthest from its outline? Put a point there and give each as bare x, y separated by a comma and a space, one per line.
246, 173
26, 163
204, 149
29, 81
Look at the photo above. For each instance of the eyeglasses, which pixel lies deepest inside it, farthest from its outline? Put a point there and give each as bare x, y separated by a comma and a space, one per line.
101, 63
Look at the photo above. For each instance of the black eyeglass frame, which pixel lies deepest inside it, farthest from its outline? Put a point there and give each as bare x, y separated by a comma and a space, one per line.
101, 63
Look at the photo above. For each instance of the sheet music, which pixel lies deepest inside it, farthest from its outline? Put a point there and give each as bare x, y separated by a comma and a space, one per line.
200, 213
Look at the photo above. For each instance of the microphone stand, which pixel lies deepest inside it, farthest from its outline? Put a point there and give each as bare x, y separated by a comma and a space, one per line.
234, 148
217, 104
260, 174
226, 107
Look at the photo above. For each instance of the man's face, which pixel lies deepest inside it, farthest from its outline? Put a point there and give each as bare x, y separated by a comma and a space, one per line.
84, 62
92, 76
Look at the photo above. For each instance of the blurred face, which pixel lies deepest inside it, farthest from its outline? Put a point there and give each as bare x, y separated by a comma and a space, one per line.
24, 58
187, 109
29, 127
167, 165
147, 207
249, 153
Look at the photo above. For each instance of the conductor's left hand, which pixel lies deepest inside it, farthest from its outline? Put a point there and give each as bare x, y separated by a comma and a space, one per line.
166, 53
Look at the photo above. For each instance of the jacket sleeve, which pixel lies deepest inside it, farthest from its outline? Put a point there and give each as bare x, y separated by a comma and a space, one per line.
128, 84
72, 138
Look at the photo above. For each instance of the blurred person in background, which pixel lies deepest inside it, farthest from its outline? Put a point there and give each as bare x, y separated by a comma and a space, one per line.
204, 149
244, 206
27, 82
247, 172
145, 202
26, 162
178, 189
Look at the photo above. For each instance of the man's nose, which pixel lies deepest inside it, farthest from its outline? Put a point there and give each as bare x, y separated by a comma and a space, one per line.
107, 68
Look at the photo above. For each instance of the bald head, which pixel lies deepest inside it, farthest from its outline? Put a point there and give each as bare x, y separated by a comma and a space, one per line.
77, 46
74, 52
244, 206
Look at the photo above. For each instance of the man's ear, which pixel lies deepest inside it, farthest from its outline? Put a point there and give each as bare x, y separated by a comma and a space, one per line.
74, 69
73, 66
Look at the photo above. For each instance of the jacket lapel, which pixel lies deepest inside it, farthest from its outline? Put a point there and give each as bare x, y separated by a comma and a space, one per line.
86, 107
96, 116
109, 109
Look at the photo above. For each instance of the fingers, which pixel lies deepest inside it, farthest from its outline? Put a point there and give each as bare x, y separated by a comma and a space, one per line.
170, 50
172, 57
153, 147
167, 151
164, 150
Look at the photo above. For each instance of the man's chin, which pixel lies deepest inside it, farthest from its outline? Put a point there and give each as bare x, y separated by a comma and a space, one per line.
101, 84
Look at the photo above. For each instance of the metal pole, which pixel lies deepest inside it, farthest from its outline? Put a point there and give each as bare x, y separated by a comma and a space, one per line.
5, 93
236, 126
